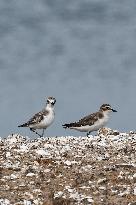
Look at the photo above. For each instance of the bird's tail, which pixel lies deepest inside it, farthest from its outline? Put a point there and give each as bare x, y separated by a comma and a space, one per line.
23, 125
65, 126
68, 125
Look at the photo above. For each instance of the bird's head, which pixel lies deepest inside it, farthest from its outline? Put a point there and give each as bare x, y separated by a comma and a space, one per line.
107, 108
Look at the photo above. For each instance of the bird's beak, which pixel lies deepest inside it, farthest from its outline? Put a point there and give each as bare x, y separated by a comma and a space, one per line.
114, 110
53, 102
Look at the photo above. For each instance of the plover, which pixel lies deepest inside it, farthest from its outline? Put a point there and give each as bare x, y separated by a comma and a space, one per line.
42, 119
92, 122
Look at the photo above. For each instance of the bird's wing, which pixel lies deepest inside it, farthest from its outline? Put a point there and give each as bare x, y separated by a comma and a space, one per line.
37, 118
88, 120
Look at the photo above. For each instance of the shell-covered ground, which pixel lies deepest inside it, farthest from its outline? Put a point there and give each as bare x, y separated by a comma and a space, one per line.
97, 170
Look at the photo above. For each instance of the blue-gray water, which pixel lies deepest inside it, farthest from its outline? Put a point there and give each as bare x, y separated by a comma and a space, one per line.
82, 52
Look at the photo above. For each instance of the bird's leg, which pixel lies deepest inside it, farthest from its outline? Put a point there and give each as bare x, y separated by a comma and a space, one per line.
88, 133
35, 132
43, 133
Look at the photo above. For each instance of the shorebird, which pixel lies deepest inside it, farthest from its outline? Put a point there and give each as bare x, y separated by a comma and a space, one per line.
42, 119
92, 122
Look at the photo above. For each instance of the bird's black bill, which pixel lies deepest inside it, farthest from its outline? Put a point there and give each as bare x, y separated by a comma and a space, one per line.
114, 110
53, 103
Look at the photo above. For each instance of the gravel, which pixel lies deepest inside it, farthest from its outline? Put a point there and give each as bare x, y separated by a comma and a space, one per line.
68, 170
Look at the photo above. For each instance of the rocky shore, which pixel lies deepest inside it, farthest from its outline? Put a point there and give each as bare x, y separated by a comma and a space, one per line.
68, 170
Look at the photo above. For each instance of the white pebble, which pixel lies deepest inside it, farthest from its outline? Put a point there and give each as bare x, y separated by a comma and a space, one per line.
30, 175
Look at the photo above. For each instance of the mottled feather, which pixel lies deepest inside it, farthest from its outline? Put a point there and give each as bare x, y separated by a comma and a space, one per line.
88, 120
37, 118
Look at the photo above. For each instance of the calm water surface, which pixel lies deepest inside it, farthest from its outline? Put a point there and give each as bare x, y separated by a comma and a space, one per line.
83, 52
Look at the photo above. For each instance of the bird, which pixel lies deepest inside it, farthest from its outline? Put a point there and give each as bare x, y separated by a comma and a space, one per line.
42, 119
92, 122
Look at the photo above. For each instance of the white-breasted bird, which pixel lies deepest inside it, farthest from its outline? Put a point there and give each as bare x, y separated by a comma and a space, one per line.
92, 122
42, 119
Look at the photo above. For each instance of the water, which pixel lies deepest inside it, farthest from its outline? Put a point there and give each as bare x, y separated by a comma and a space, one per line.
82, 52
